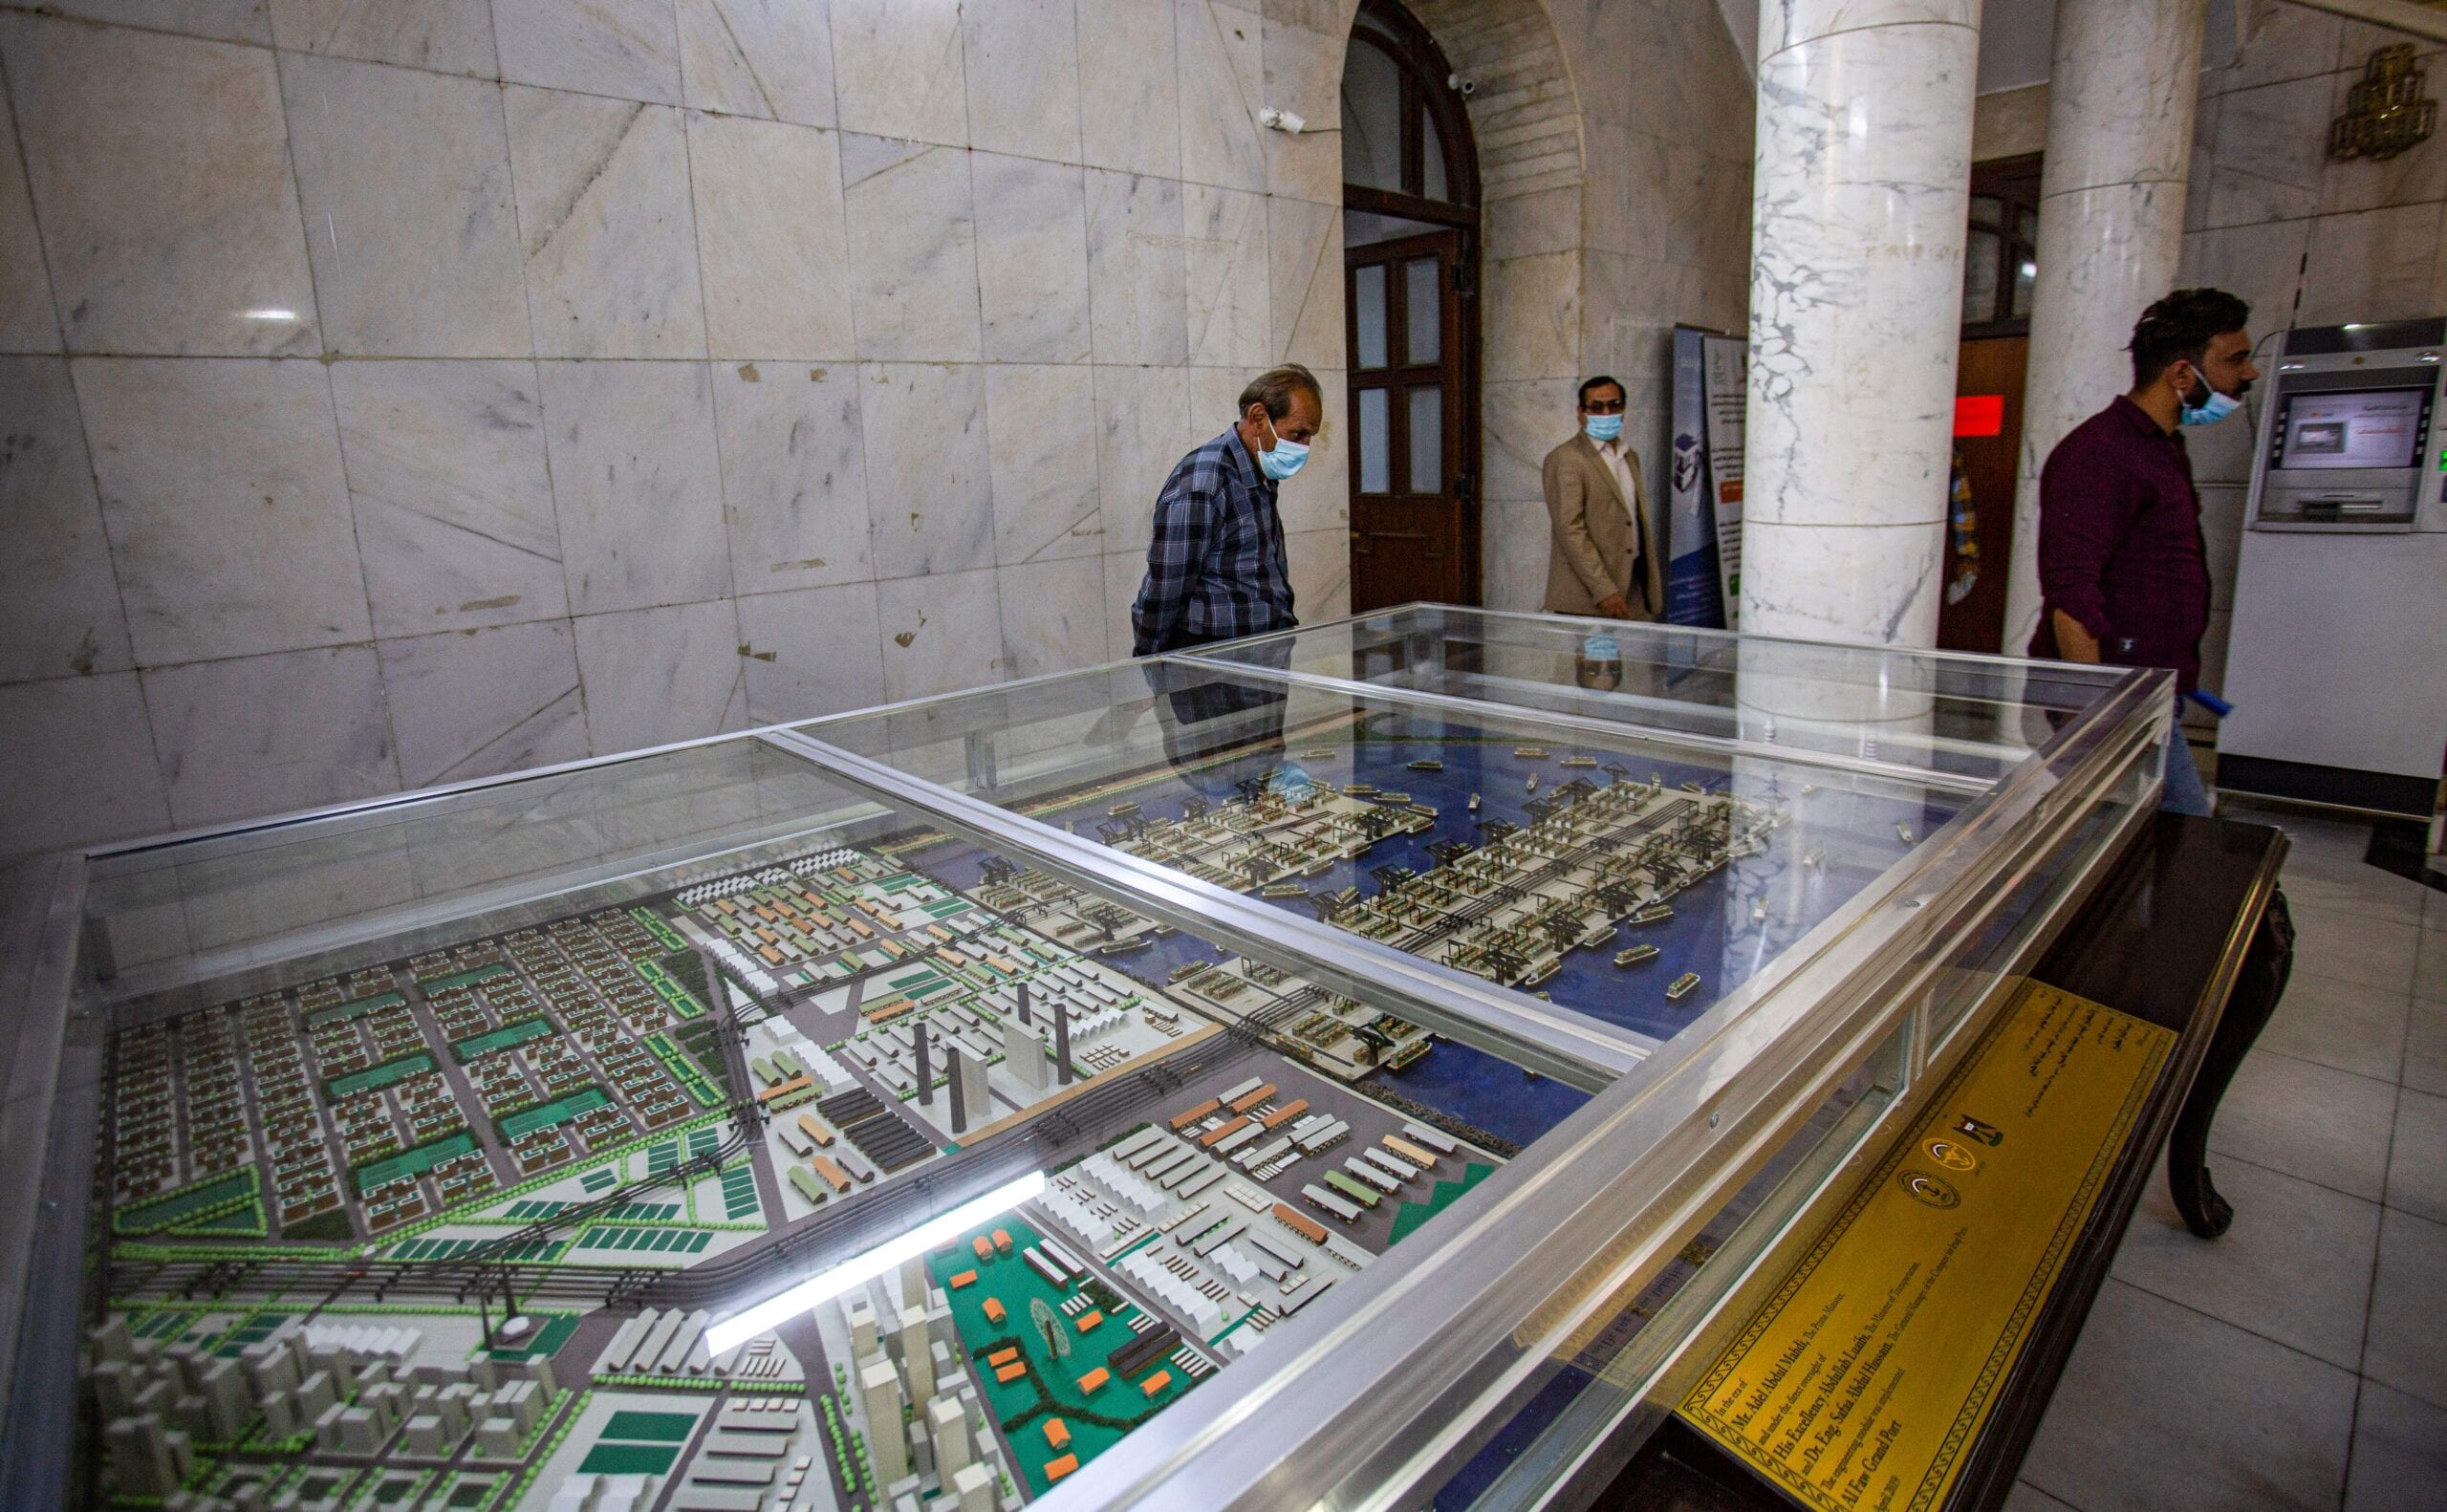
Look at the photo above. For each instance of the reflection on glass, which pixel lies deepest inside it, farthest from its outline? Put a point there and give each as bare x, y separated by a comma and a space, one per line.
1375, 445
1368, 304
1427, 440
1432, 158
1371, 115
2026, 275
1988, 211
1980, 278
1424, 312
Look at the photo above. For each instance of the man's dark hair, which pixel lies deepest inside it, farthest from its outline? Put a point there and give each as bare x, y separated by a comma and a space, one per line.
1600, 382
2179, 328
1274, 387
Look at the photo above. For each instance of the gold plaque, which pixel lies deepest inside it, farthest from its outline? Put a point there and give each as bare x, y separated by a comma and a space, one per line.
1864, 1378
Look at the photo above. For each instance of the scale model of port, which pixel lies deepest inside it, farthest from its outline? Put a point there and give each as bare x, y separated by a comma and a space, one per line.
447, 1230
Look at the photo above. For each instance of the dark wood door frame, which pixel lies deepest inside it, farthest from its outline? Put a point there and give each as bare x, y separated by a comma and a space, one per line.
1386, 527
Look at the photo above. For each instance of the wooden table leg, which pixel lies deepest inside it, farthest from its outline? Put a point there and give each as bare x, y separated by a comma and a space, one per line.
2266, 965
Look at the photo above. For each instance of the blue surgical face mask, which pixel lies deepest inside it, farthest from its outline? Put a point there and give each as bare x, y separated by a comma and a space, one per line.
1602, 427
1286, 459
2211, 410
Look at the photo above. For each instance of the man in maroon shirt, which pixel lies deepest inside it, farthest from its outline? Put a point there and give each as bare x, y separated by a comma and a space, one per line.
2123, 575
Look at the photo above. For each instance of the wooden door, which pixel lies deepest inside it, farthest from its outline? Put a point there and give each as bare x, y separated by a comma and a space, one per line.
1414, 515
1988, 436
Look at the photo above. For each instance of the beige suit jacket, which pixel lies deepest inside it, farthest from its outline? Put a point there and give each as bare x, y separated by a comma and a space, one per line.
1598, 539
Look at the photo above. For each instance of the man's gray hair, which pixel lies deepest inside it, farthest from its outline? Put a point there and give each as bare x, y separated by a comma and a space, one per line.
1274, 387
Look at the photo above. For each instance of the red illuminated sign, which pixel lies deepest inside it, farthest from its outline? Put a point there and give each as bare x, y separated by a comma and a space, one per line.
1978, 414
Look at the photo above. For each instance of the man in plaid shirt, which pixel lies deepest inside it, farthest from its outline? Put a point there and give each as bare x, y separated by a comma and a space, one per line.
1216, 567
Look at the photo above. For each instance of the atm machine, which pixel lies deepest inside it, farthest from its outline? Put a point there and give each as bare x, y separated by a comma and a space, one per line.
2336, 662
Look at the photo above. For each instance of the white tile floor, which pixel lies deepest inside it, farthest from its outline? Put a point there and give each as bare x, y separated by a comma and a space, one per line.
2301, 1360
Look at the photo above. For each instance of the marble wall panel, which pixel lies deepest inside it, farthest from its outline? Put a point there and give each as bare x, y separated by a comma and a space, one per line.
228, 517
471, 703
1223, 86
1548, 221
1053, 615
1228, 270
1031, 259
624, 49
794, 475
160, 181
449, 36
636, 484
60, 610
811, 650
453, 499
941, 634
222, 20
2376, 264
1129, 112
2264, 165
913, 250
1124, 571
930, 489
28, 322
256, 735
1535, 303
2280, 40
770, 239
1142, 426
1521, 423
655, 676
1137, 270
1304, 247
1032, 40
771, 59
407, 175
76, 764
1515, 546
604, 218
1045, 491
898, 71
1304, 75
1320, 562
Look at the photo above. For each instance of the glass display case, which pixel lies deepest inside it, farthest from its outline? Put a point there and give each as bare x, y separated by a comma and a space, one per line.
1350, 1067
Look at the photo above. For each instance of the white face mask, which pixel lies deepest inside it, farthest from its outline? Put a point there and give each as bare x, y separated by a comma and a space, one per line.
1284, 458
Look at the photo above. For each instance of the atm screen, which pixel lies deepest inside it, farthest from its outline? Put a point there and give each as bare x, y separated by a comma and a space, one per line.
2366, 428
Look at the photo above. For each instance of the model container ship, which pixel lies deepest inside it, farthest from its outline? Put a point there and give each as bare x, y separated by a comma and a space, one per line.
1682, 987
1651, 914
1427, 764
1635, 954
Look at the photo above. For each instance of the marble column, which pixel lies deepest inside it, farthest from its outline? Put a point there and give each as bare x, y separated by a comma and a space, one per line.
1859, 194
2120, 97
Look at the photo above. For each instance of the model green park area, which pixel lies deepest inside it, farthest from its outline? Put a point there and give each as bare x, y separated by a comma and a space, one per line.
561, 1109
503, 1038
223, 1204
1049, 1385
378, 1076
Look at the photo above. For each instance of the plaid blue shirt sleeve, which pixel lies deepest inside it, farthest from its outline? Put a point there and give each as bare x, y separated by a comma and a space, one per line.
1185, 512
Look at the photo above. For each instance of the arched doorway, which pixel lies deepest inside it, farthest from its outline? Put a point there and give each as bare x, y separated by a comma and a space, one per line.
1410, 262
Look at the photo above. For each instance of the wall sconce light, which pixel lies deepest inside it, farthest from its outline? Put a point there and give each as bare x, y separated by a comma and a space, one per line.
2385, 114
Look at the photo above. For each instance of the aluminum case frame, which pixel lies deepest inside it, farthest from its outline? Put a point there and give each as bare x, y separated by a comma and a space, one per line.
1367, 1401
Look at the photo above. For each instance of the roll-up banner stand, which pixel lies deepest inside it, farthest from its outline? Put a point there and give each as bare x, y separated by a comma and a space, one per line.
1703, 531
1725, 362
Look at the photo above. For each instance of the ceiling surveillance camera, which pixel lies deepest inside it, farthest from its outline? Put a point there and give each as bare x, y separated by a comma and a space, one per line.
1464, 86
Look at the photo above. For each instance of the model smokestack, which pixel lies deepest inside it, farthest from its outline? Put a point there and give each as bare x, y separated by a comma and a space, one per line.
926, 1076
1025, 1017
1061, 1040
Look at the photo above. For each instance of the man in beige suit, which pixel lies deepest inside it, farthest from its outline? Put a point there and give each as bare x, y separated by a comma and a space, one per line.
1605, 558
